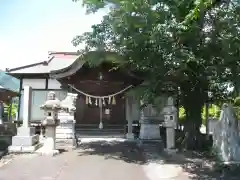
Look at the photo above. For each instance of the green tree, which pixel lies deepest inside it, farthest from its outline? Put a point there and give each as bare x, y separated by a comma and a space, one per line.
189, 46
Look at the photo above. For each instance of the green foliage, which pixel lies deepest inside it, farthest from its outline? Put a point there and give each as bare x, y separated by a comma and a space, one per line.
236, 106
237, 101
187, 47
237, 111
182, 114
213, 112
168, 41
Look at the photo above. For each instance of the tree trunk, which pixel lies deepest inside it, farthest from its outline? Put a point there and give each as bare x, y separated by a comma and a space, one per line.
193, 103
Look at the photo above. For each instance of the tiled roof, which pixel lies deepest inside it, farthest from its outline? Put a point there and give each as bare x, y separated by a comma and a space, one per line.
8, 82
56, 61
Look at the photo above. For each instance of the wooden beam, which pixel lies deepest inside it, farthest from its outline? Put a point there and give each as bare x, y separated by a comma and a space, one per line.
46, 83
19, 99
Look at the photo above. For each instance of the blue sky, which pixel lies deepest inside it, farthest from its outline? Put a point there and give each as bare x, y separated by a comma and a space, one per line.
31, 28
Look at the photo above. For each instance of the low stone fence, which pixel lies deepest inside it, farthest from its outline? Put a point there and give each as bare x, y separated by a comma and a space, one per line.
7, 130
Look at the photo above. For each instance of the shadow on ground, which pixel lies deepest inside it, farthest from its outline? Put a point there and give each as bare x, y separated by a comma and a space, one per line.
201, 167
126, 151
198, 165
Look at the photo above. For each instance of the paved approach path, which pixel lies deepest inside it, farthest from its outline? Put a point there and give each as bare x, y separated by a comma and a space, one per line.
99, 160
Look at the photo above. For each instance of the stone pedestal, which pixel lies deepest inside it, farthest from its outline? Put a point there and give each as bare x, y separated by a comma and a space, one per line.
26, 140
149, 129
65, 131
130, 136
49, 147
150, 134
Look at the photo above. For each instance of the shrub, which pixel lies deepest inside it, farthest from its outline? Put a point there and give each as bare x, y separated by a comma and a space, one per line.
236, 105
236, 102
213, 112
182, 114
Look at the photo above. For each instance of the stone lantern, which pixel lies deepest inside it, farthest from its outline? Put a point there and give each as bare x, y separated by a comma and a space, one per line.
170, 122
51, 108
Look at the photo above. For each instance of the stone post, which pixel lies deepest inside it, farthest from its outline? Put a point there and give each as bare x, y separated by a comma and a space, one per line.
26, 140
51, 108
130, 135
170, 122
27, 104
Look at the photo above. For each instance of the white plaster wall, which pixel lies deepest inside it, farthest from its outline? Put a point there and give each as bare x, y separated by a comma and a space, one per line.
38, 98
35, 83
53, 84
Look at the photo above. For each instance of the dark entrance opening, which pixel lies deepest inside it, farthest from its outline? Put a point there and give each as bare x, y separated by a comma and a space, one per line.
89, 114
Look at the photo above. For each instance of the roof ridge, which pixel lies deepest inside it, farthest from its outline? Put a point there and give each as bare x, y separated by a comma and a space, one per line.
46, 62
50, 58
63, 52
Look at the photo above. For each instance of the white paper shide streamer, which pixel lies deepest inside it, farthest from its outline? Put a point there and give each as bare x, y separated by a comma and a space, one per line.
100, 101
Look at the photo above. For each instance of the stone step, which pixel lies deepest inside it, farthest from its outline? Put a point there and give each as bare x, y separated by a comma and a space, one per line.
99, 132
101, 136
95, 126
96, 132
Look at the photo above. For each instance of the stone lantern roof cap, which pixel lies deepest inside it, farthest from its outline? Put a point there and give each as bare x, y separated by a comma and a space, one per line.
52, 102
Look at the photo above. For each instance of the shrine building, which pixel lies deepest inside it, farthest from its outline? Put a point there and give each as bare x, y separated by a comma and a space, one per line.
102, 91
